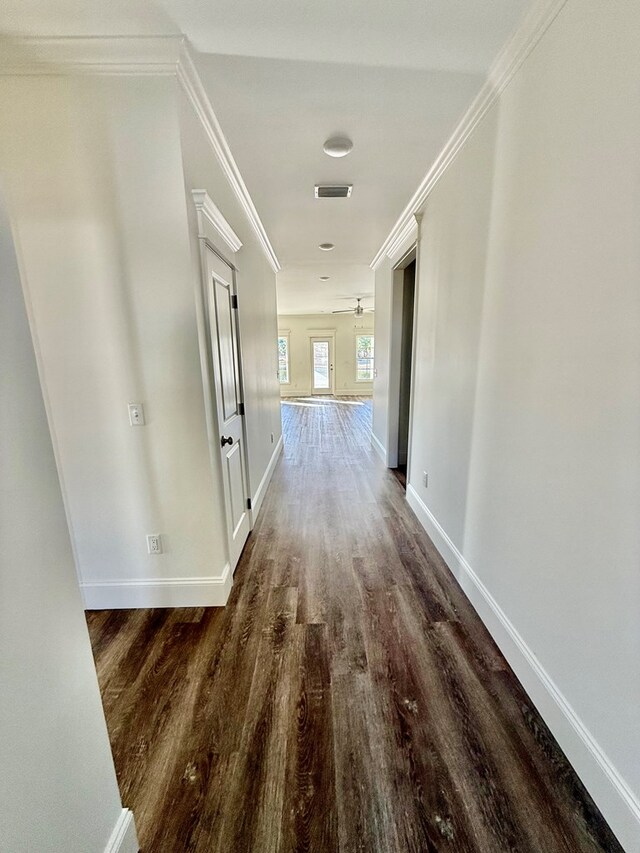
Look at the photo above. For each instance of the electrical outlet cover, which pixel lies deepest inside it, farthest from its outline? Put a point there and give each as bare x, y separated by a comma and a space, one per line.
154, 543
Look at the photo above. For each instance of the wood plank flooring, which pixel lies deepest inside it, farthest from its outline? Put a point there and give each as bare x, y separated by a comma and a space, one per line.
347, 699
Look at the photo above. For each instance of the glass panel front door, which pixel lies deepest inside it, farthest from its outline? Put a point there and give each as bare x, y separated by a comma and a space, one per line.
321, 366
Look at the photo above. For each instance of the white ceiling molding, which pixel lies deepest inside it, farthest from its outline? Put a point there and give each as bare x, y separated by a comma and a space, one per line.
153, 55
208, 210
192, 85
502, 71
137, 55
403, 240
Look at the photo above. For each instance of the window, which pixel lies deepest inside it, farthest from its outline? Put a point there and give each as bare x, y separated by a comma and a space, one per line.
364, 358
283, 359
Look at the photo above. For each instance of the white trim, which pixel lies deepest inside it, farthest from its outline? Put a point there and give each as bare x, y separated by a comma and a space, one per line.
379, 447
285, 333
414, 340
208, 210
403, 241
123, 838
364, 333
612, 794
394, 367
136, 55
322, 335
519, 46
158, 592
101, 55
191, 83
261, 491
286, 391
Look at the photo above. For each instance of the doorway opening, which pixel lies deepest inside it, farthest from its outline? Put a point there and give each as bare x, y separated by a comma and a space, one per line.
403, 305
406, 349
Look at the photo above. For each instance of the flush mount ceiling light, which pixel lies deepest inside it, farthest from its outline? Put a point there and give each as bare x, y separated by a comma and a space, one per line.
337, 146
326, 247
324, 278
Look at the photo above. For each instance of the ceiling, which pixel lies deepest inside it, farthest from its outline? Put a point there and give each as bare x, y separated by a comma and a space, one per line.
395, 77
276, 115
300, 290
456, 35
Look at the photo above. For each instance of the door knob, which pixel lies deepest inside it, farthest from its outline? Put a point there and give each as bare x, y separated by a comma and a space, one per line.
224, 441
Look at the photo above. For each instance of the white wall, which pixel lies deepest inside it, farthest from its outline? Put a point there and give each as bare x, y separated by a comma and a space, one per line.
383, 384
527, 412
58, 789
96, 191
301, 327
256, 285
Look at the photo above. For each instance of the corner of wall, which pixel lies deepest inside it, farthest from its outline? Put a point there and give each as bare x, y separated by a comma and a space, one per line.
123, 838
614, 797
158, 592
379, 448
261, 491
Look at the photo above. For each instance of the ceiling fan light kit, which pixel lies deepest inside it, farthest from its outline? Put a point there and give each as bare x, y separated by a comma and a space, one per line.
357, 311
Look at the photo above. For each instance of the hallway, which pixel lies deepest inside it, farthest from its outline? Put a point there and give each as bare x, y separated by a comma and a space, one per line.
347, 699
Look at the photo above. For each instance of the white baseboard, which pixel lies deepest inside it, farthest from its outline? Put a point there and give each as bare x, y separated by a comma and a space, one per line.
342, 392
379, 448
256, 501
123, 838
158, 592
615, 799
297, 392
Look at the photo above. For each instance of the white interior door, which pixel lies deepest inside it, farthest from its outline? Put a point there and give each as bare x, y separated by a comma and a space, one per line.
322, 366
225, 355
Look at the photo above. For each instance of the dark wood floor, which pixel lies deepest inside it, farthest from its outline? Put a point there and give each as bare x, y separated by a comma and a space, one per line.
346, 699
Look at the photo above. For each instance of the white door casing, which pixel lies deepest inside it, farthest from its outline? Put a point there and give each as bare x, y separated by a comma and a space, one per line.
222, 323
322, 372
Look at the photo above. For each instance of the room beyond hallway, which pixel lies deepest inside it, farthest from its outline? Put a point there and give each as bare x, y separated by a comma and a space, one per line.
347, 698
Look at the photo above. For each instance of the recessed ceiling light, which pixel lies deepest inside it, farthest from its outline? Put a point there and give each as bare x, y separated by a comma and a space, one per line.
324, 278
337, 146
326, 247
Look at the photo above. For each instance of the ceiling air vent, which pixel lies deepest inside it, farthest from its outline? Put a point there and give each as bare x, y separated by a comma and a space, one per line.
333, 190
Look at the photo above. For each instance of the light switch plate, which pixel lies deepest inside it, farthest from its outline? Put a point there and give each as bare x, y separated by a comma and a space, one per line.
136, 414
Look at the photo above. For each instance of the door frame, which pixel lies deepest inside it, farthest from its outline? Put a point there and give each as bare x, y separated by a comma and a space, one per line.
203, 311
211, 279
330, 336
395, 356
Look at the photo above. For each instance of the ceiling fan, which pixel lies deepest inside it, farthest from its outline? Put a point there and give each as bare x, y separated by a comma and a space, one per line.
357, 311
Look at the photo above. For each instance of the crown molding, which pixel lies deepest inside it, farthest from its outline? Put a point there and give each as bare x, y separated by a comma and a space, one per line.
102, 55
208, 210
190, 81
502, 71
137, 55
403, 240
